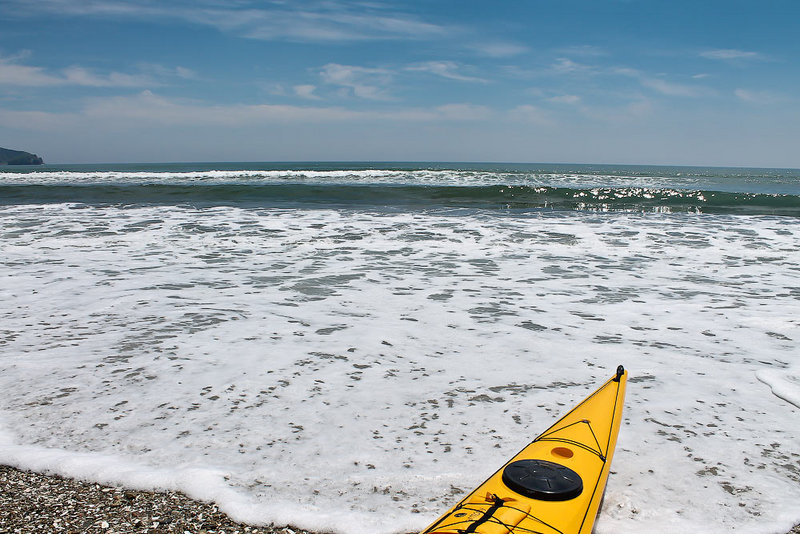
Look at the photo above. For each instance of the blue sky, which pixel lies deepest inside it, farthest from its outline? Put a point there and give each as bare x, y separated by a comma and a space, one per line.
584, 81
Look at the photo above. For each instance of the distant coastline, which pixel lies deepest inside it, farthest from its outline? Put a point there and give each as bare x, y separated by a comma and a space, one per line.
18, 157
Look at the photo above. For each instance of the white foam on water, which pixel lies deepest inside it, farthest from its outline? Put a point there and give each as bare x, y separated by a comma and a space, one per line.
785, 384
431, 177
210, 176
356, 371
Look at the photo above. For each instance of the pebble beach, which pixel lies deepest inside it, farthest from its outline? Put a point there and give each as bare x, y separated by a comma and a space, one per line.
39, 503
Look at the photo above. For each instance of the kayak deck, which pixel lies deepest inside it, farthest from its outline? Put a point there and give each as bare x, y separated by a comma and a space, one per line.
555, 484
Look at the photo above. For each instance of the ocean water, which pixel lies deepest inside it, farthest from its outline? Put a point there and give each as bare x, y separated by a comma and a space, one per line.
351, 347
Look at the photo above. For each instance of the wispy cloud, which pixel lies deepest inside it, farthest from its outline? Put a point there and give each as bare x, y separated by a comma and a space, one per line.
659, 84
361, 82
760, 97
86, 8
731, 54
148, 109
85, 77
499, 49
333, 23
164, 72
306, 91
299, 20
553, 96
565, 65
445, 69
13, 73
662, 85
669, 88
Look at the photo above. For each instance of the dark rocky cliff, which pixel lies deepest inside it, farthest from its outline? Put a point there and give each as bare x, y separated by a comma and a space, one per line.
18, 157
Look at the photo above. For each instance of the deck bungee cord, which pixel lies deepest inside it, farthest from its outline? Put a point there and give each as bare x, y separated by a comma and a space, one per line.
598, 451
487, 517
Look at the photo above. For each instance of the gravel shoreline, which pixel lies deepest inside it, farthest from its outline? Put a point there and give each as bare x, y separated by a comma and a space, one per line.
37, 503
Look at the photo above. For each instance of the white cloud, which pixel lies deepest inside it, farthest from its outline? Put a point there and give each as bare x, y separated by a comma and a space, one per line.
84, 77
671, 88
663, 86
86, 8
147, 110
565, 65
747, 96
150, 108
759, 97
362, 82
730, 54
162, 71
529, 113
13, 73
306, 91
300, 20
445, 69
187, 74
25, 75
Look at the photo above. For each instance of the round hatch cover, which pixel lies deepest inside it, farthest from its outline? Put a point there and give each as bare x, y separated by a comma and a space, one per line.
543, 480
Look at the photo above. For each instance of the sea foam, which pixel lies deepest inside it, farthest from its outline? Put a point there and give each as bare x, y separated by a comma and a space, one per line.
359, 371
769, 181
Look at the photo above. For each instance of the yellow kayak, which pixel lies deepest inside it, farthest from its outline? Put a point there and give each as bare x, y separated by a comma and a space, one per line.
556, 483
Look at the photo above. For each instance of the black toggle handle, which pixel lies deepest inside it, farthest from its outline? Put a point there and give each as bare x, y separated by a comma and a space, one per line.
620, 372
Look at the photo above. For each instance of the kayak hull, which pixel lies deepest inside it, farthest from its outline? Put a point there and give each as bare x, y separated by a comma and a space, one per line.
556, 483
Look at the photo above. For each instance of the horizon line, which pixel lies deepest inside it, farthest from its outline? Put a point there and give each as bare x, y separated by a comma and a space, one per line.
402, 162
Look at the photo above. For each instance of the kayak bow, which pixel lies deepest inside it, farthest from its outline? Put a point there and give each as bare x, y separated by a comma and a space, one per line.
556, 483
